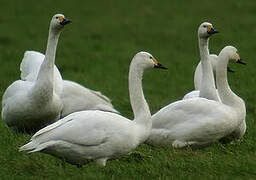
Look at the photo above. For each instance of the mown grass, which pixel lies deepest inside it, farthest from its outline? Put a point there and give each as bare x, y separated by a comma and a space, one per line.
96, 49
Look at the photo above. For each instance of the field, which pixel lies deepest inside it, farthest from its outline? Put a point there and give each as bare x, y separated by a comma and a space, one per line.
96, 49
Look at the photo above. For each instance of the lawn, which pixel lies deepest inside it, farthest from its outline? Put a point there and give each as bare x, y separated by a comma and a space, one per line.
96, 49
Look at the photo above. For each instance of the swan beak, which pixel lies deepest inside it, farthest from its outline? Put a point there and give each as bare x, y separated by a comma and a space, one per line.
65, 21
239, 61
158, 65
212, 31
230, 70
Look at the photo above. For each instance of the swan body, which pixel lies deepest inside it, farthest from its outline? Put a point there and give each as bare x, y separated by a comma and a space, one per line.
27, 104
200, 121
74, 96
204, 74
98, 135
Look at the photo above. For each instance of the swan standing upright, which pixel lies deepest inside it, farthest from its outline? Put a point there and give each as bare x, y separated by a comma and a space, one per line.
31, 104
98, 135
200, 121
207, 83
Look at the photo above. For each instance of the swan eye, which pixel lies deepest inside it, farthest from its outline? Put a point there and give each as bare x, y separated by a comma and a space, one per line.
204, 26
57, 17
151, 57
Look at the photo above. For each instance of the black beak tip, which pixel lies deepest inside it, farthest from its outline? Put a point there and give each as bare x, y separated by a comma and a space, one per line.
212, 31
240, 61
65, 22
160, 66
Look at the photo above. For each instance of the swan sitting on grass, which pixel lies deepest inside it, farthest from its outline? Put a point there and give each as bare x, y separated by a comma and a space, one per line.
200, 121
29, 105
98, 135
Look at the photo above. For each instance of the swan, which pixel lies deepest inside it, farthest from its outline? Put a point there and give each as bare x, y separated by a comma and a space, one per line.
29, 105
74, 96
207, 84
99, 135
200, 121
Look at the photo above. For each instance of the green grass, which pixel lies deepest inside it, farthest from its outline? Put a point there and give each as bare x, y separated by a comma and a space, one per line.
96, 49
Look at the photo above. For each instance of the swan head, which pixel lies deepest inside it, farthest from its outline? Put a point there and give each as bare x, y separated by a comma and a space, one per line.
145, 60
232, 54
205, 30
58, 22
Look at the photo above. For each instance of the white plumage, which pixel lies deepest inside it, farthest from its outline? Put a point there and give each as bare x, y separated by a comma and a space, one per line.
198, 77
98, 135
204, 78
74, 96
201, 121
31, 103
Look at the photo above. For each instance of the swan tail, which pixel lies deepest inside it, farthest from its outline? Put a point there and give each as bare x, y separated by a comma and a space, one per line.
32, 147
28, 147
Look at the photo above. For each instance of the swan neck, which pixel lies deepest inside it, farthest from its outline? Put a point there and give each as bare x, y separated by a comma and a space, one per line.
139, 105
51, 47
227, 96
207, 88
44, 82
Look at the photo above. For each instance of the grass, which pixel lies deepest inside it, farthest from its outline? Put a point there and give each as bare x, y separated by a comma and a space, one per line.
96, 49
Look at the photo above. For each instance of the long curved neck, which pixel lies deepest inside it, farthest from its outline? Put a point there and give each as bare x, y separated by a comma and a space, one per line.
139, 105
44, 82
207, 88
227, 96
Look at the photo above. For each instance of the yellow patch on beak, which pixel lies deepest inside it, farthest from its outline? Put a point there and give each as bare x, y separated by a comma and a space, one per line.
61, 18
155, 61
209, 27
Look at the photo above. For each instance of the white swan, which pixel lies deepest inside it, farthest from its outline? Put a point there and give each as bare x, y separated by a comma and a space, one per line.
207, 83
98, 135
74, 96
200, 121
29, 105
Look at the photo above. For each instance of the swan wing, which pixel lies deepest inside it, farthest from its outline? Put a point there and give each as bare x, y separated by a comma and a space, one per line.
192, 120
77, 98
30, 65
86, 128
100, 95
190, 110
